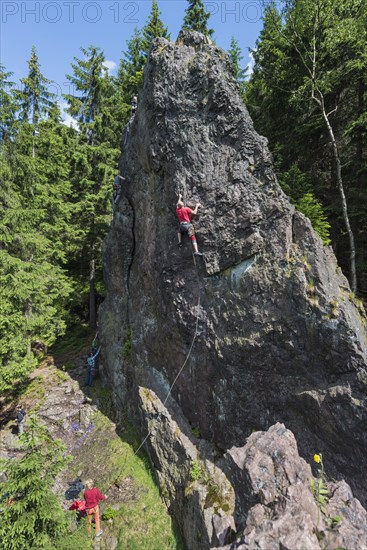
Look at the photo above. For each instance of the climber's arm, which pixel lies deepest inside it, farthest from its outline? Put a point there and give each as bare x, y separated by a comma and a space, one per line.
195, 211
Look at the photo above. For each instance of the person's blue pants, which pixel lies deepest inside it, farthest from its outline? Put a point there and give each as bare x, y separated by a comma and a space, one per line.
90, 374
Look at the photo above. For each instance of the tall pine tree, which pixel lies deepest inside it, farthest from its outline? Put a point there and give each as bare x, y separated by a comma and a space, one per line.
196, 18
34, 98
34, 289
94, 161
235, 54
154, 28
33, 517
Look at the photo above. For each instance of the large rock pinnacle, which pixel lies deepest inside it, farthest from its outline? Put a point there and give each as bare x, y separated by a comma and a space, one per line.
278, 336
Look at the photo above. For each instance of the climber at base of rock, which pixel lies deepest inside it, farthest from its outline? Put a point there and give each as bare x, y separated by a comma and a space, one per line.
91, 366
117, 188
134, 105
184, 214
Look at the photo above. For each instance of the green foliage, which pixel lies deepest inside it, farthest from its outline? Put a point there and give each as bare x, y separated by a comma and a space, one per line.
196, 432
8, 105
196, 18
109, 513
34, 98
321, 493
295, 183
312, 208
79, 538
196, 470
154, 28
93, 164
126, 351
33, 517
235, 54
34, 288
298, 187
310, 57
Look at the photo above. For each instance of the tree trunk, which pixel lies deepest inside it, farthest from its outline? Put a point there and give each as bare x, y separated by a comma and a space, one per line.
92, 292
339, 181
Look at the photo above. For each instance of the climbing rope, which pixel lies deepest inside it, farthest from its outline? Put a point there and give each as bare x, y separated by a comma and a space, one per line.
187, 357
95, 339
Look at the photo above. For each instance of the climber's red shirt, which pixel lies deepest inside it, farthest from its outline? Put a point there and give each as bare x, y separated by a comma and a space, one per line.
183, 213
92, 497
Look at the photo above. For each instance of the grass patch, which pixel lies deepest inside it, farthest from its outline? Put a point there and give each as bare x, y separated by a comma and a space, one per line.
137, 516
146, 523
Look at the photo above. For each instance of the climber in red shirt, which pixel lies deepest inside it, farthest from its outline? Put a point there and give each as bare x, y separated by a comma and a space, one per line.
92, 497
184, 214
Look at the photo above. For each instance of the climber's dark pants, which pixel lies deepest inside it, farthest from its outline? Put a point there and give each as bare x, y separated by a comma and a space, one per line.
187, 227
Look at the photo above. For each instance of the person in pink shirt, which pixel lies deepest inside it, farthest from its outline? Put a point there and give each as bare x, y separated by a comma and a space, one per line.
92, 496
184, 214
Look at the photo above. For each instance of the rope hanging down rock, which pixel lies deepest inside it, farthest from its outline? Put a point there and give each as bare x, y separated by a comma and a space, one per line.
188, 354
181, 369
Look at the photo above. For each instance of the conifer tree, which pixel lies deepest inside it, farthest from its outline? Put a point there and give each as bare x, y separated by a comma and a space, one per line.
196, 18
35, 191
130, 74
8, 105
34, 289
31, 516
34, 99
88, 80
154, 28
235, 54
308, 95
312, 208
93, 163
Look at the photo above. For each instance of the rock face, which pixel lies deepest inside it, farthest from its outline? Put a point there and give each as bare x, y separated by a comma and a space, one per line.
263, 329
288, 515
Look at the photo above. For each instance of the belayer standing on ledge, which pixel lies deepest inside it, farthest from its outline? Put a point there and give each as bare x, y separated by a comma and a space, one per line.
91, 365
20, 419
92, 497
185, 214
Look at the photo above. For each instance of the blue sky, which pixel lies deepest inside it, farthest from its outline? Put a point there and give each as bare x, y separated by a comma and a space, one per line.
58, 28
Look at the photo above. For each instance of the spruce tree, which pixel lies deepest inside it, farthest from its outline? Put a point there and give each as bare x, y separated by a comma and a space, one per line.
196, 18
34, 98
93, 163
130, 74
34, 289
308, 95
8, 105
31, 516
235, 54
154, 28
312, 208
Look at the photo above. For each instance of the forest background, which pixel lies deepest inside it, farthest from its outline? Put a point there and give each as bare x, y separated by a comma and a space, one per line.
306, 94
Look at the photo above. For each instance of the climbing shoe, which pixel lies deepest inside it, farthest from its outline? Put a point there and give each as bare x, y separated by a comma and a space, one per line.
198, 254
99, 533
179, 245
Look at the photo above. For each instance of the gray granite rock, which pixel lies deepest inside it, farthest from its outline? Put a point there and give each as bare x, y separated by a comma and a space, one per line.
287, 515
266, 317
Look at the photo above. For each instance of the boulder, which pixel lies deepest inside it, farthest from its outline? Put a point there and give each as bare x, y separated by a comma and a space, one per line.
288, 515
